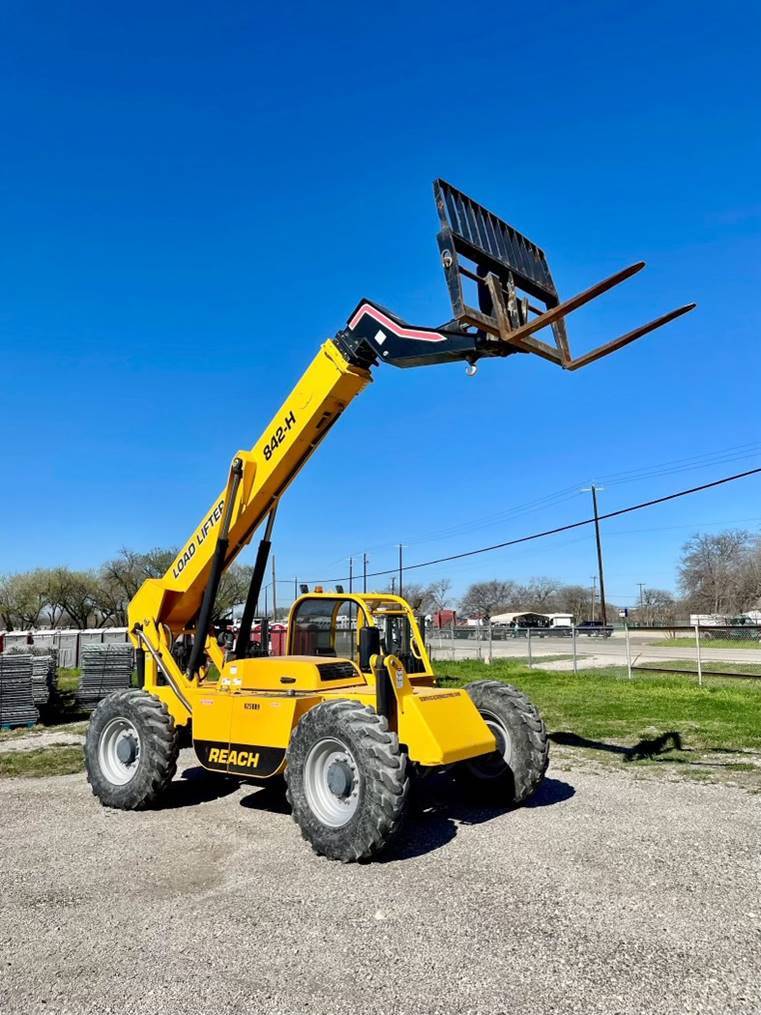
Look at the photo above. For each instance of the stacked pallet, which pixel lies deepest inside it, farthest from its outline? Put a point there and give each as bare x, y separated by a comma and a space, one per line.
17, 706
43, 676
105, 668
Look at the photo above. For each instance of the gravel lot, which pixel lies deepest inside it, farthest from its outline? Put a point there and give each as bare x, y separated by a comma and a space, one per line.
611, 894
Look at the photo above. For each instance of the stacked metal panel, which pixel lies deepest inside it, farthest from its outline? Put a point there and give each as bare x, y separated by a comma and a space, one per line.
105, 668
17, 706
43, 677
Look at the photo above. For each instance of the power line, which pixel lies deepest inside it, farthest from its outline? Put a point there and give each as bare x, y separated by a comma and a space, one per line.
558, 529
703, 460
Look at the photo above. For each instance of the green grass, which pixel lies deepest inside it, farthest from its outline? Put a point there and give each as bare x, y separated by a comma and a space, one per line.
603, 704
67, 680
45, 761
751, 669
706, 643
537, 659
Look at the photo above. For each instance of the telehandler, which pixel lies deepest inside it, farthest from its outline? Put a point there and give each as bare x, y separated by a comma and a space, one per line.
352, 712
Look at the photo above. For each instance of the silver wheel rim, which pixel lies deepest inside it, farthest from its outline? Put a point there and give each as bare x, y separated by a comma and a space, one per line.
490, 766
119, 751
332, 782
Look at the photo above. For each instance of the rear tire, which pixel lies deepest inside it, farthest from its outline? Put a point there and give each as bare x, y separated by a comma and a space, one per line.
131, 750
347, 780
514, 772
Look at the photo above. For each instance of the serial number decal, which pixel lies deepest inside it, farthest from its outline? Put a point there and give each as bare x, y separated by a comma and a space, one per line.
198, 539
438, 697
278, 436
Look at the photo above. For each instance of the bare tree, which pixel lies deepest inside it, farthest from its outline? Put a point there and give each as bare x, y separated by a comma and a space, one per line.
573, 599
438, 593
539, 594
714, 570
658, 608
418, 596
483, 599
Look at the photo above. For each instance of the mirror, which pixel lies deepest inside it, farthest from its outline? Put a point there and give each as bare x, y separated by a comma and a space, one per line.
369, 645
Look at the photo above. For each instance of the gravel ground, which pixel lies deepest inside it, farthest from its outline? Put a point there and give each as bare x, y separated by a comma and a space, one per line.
610, 894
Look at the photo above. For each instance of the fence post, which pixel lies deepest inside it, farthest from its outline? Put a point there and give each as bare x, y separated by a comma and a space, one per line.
491, 644
575, 661
697, 648
528, 641
628, 651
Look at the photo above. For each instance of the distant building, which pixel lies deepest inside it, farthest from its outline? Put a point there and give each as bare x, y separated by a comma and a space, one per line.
444, 618
528, 618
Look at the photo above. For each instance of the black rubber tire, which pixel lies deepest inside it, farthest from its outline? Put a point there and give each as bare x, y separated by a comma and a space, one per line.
384, 781
157, 762
516, 783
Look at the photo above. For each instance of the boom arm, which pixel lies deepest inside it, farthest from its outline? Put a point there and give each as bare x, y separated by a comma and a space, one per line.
338, 373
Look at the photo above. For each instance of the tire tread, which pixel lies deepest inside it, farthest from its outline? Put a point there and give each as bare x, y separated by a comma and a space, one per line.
387, 781
528, 776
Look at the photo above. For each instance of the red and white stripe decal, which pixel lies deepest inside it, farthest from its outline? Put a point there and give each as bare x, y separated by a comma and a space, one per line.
396, 329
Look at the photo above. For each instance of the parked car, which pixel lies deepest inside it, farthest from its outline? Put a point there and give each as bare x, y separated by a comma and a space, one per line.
594, 629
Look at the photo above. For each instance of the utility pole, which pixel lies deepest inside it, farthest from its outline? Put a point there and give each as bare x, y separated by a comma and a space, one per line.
351, 574
641, 602
393, 584
603, 609
364, 572
594, 594
295, 588
274, 591
401, 570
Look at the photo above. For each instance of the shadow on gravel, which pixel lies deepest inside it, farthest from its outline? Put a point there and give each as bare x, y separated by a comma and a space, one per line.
552, 791
270, 797
197, 786
440, 805
646, 748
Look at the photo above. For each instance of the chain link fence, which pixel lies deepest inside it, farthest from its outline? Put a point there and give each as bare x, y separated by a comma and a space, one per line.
726, 651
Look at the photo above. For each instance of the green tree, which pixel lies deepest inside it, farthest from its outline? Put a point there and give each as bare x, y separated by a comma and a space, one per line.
75, 593
23, 599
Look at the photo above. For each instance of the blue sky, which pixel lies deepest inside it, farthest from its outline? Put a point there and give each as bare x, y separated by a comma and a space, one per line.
193, 196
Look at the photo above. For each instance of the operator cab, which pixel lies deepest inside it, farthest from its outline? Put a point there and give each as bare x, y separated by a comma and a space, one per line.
323, 624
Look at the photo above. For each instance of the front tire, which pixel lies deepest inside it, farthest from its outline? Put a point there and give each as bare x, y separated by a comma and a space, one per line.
131, 750
513, 773
347, 780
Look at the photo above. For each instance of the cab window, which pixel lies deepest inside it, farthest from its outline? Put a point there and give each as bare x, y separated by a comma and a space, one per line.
326, 627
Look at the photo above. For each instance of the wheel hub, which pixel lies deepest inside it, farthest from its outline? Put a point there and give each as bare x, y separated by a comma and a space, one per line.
340, 779
126, 749
332, 782
119, 751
